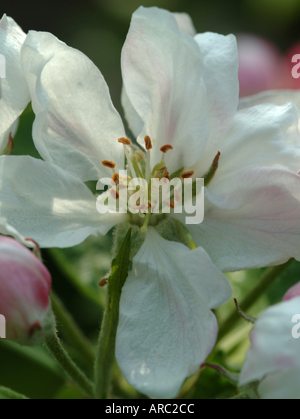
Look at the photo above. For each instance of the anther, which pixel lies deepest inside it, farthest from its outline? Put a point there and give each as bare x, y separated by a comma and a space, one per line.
109, 164
170, 204
148, 143
166, 148
115, 179
124, 140
186, 175
114, 193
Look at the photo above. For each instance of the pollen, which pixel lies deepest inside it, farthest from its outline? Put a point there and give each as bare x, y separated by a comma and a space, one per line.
148, 143
124, 140
166, 148
186, 175
109, 164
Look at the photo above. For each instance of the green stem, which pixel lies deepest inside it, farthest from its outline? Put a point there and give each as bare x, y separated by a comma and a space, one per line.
106, 351
71, 331
107, 339
263, 284
78, 377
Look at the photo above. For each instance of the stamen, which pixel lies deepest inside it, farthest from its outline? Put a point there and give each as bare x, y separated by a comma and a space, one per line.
148, 143
139, 155
126, 144
114, 193
109, 164
213, 168
124, 140
166, 148
170, 204
115, 179
186, 175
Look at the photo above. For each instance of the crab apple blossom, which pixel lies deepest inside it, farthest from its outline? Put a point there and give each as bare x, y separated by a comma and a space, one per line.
180, 97
273, 358
24, 293
14, 95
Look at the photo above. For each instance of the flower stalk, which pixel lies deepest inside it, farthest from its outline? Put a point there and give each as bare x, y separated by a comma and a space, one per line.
77, 376
107, 338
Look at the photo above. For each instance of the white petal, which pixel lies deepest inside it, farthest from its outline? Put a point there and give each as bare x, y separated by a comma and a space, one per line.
252, 219
76, 125
281, 385
7, 230
162, 71
135, 122
277, 97
166, 328
265, 135
14, 95
185, 23
48, 204
220, 76
273, 348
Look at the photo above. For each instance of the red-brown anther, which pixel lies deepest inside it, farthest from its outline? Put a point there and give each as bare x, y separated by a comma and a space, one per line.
115, 179
104, 280
148, 143
186, 175
170, 204
124, 140
114, 193
166, 148
109, 164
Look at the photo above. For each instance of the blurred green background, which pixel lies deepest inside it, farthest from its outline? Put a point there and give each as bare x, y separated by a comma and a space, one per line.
98, 28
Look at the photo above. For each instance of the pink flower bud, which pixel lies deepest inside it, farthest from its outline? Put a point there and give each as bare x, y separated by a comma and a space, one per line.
24, 293
293, 292
259, 62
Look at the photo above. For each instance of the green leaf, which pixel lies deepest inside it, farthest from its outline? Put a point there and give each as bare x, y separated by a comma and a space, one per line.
8, 394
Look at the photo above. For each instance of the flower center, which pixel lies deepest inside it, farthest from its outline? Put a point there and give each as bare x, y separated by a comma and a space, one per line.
146, 193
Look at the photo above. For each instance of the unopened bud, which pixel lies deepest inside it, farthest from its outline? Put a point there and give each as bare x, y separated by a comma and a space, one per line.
24, 294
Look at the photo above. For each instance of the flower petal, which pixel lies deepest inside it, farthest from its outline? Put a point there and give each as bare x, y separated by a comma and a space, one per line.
76, 125
162, 70
185, 23
277, 97
14, 95
7, 230
166, 328
220, 58
263, 135
273, 348
48, 204
252, 219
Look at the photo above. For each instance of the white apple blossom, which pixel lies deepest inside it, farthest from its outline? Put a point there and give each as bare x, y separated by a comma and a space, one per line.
273, 358
182, 92
14, 93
